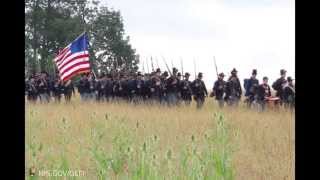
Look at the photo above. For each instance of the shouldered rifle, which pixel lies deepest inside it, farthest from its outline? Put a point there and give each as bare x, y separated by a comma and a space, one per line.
181, 67
152, 65
148, 67
215, 64
166, 65
172, 63
143, 67
195, 71
157, 62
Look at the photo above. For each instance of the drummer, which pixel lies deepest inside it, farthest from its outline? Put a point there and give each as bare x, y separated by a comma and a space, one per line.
263, 93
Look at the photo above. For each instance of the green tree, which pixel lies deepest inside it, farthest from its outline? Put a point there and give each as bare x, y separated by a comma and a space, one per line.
53, 24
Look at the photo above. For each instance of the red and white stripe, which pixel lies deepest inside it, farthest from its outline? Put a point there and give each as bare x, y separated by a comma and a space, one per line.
70, 64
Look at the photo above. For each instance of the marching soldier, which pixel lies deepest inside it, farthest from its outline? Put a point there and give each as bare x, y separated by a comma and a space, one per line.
250, 86
219, 90
100, 87
179, 99
289, 93
32, 92
118, 87
233, 89
155, 88
68, 89
163, 78
92, 87
126, 88
43, 88
85, 87
277, 85
57, 90
109, 88
263, 93
199, 91
186, 91
173, 88
80, 86
147, 87
138, 85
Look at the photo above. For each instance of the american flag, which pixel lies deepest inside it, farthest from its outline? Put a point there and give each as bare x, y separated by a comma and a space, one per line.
73, 59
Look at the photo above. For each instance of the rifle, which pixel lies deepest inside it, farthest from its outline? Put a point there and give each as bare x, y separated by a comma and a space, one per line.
152, 65
148, 67
143, 67
181, 66
166, 65
157, 62
195, 71
172, 63
215, 64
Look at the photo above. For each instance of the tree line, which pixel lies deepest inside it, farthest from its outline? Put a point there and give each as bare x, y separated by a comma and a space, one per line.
50, 25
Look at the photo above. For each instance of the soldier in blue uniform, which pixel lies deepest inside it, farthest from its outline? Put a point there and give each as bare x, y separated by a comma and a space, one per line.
57, 90
32, 91
68, 90
219, 89
233, 89
199, 91
164, 97
172, 84
277, 85
289, 94
250, 86
263, 93
186, 91
43, 87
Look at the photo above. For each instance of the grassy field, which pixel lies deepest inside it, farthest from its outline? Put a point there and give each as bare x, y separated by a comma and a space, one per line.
123, 141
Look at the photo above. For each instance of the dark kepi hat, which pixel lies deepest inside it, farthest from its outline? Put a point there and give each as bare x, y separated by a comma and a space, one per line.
186, 74
289, 79
174, 69
179, 74
158, 70
200, 74
234, 71
254, 72
221, 75
265, 78
282, 71
165, 73
139, 73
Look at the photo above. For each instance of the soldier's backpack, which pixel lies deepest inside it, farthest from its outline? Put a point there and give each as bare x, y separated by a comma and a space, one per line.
276, 85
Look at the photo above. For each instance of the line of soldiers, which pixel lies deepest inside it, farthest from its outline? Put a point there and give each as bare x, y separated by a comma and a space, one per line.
159, 87
43, 87
155, 87
256, 94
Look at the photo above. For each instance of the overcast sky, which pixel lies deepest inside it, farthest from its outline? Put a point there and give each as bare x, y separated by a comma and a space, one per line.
244, 34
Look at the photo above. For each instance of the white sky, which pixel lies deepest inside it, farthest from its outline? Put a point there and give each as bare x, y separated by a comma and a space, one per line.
244, 34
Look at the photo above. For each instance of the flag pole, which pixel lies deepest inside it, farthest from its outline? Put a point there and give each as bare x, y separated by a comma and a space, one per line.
86, 38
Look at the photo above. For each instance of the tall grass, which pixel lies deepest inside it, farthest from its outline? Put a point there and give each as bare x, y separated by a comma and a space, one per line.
122, 141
